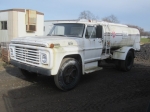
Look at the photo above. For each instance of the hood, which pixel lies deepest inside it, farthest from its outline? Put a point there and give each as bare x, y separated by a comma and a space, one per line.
45, 41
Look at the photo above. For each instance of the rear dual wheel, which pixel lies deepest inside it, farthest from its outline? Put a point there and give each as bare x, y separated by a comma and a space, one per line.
127, 64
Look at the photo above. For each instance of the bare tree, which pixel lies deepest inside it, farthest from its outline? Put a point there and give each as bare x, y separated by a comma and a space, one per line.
111, 18
87, 15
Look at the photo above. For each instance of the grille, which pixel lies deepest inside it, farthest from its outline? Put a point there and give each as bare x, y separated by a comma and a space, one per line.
27, 55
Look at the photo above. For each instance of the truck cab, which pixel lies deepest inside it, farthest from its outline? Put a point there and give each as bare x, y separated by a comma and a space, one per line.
73, 49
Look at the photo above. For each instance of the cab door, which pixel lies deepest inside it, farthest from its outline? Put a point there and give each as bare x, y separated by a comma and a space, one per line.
98, 41
92, 45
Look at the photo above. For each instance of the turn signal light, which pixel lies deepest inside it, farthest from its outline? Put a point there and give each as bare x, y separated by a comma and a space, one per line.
54, 45
51, 46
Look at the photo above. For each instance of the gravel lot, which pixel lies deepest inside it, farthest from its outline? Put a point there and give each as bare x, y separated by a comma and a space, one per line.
107, 90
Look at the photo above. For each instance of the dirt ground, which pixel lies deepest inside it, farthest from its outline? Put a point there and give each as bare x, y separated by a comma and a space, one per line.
108, 90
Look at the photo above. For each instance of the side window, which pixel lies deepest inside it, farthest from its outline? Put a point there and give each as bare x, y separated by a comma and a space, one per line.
90, 32
99, 32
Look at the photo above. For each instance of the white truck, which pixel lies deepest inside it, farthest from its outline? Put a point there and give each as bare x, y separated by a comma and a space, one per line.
72, 49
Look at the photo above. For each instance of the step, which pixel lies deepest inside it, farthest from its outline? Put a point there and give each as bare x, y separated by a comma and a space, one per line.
104, 56
93, 69
108, 47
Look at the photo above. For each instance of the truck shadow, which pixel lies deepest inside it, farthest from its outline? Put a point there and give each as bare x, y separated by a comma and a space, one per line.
40, 80
104, 90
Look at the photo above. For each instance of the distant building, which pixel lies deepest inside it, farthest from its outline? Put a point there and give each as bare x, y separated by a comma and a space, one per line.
20, 22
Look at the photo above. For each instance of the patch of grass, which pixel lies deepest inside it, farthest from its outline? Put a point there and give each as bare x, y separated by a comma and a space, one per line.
145, 40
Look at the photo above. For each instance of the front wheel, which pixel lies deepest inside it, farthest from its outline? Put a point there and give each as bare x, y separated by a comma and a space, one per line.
68, 75
127, 64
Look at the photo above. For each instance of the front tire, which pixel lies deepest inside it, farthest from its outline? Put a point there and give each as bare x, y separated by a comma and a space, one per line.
68, 75
127, 64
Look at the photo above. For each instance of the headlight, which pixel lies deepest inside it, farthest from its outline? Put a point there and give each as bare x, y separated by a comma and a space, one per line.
11, 50
44, 58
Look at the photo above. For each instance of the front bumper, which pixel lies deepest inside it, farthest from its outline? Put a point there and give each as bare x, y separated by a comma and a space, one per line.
30, 68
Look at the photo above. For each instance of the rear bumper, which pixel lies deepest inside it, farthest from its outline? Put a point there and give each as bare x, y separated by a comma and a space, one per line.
31, 68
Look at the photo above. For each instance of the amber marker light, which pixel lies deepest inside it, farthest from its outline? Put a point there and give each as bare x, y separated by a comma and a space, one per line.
52, 46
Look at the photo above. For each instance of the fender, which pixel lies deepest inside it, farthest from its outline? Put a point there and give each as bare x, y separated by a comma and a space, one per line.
62, 52
121, 53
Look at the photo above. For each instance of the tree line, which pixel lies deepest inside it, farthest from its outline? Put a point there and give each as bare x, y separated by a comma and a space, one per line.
112, 19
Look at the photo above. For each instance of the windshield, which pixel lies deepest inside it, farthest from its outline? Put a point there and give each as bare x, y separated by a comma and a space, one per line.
67, 29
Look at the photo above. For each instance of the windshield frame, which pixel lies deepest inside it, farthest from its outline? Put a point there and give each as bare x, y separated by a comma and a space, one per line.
82, 35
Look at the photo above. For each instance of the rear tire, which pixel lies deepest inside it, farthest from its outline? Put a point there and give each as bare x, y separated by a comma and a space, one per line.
28, 74
127, 64
68, 75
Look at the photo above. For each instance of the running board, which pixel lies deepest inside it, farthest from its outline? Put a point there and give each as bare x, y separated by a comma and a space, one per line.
105, 56
93, 69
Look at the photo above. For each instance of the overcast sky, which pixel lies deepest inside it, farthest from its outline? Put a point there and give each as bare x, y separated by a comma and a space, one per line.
136, 12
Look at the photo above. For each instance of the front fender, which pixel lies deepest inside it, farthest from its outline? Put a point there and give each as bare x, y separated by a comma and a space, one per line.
121, 53
60, 53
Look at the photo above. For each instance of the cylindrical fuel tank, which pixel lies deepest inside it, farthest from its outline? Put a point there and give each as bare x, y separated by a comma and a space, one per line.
120, 35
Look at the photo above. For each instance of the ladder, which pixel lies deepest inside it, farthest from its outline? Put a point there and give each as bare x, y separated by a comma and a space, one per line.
107, 43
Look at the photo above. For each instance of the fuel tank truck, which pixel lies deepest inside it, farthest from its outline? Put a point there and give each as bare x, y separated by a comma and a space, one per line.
75, 48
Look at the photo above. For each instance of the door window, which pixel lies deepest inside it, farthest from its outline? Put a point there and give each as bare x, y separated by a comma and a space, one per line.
90, 32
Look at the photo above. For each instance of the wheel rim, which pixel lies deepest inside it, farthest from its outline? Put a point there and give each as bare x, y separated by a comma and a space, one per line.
70, 74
